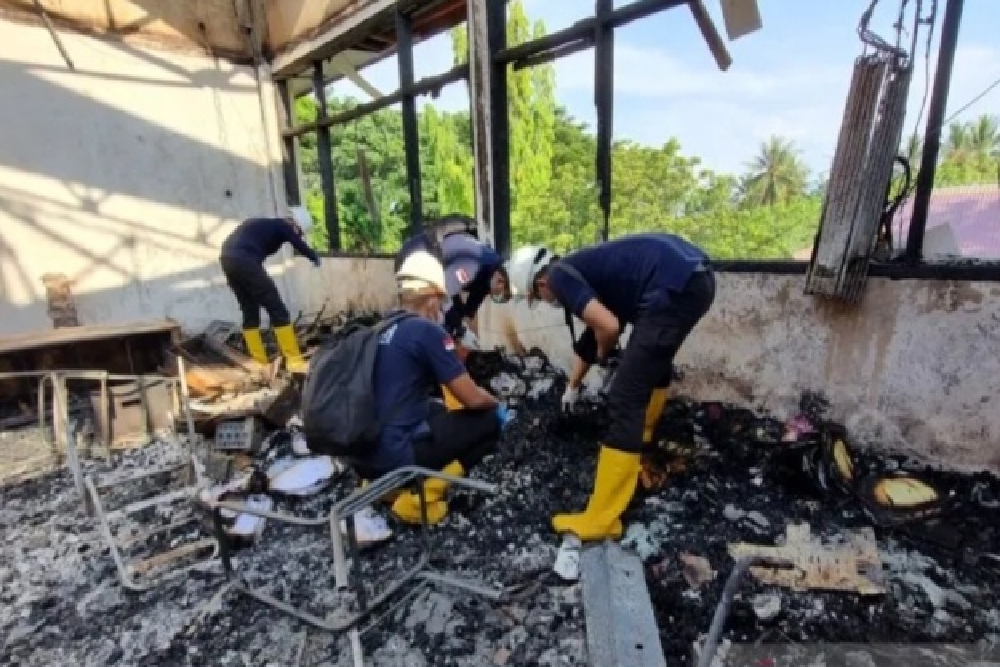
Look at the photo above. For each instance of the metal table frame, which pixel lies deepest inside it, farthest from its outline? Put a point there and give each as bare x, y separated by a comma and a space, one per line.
345, 509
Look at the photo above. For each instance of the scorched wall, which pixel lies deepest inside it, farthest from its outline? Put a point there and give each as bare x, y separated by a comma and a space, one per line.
125, 175
914, 368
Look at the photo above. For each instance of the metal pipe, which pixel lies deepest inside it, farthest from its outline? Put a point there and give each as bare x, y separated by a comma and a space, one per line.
932, 134
581, 29
711, 645
496, 40
604, 100
55, 35
289, 162
425, 86
186, 402
411, 138
340, 573
324, 148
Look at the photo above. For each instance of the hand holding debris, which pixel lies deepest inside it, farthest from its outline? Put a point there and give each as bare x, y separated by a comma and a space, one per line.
469, 340
569, 398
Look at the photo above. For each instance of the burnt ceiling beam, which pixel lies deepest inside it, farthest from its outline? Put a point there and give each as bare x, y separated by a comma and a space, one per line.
585, 29
411, 138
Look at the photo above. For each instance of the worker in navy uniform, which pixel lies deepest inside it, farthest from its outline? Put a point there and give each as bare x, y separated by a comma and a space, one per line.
662, 286
242, 258
414, 355
471, 267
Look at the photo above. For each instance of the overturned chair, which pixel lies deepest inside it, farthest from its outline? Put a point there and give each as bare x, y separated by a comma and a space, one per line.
421, 572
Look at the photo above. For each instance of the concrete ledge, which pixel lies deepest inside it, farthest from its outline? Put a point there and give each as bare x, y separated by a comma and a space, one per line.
621, 626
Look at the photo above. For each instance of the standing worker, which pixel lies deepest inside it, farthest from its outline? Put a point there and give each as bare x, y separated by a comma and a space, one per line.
242, 258
470, 266
662, 286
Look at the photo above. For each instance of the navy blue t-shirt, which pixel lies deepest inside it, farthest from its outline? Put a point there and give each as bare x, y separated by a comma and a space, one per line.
259, 238
469, 265
468, 262
413, 356
628, 276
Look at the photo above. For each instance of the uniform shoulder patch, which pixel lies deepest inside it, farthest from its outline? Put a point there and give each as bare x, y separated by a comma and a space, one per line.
449, 343
462, 275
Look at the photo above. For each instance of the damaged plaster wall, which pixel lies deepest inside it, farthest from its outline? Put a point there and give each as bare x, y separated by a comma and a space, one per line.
344, 284
913, 369
125, 175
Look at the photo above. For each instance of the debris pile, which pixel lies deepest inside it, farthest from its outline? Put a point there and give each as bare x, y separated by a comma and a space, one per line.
719, 480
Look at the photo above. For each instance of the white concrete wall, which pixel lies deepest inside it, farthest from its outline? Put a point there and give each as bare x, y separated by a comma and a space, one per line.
342, 284
914, 369
125, 175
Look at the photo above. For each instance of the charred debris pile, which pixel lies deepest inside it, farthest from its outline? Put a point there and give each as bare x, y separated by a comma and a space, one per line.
922, 546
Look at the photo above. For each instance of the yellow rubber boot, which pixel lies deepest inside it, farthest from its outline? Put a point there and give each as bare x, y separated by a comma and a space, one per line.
406, 507
255, 345
288, 343
657, 401
450, 402
614, 484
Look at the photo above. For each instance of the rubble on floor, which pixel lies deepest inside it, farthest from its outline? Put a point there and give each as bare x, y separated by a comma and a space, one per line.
733, 476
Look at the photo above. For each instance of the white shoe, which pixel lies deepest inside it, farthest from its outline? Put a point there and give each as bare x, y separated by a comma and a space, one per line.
369, 527
568, 559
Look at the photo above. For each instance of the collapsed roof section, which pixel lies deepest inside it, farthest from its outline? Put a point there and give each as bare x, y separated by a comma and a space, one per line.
290, 34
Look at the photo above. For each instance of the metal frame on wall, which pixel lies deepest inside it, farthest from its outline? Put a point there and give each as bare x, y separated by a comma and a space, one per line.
324, 124
596, 32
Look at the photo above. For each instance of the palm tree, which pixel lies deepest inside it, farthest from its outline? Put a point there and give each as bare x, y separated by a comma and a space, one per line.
958, 145
776, 175
984, 136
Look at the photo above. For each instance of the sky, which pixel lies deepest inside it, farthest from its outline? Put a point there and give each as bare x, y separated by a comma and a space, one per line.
789, 79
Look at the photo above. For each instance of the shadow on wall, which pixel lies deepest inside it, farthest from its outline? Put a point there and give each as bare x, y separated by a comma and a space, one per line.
125, 175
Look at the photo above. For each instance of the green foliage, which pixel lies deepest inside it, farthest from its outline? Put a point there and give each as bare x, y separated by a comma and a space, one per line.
770, 212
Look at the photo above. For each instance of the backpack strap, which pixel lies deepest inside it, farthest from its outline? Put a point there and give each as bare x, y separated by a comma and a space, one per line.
573, 271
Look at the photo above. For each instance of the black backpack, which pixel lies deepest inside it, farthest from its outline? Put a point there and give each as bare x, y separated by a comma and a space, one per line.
338, 398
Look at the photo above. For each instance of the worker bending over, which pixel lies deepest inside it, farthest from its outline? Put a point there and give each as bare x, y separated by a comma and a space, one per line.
242, 258
414, 354
470, 266
660, 284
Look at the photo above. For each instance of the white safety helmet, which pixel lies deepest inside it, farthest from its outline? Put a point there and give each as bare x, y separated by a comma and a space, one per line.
522, 267
301, 217
419, 271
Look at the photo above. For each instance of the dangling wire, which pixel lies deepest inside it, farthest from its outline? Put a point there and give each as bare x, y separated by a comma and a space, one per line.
898, 25
871, 39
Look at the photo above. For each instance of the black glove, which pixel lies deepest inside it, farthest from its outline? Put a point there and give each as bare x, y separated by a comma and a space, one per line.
586, 346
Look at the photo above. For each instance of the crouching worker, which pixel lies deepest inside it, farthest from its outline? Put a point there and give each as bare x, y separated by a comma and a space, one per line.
242, 258
660, 284
472, 269
368, 397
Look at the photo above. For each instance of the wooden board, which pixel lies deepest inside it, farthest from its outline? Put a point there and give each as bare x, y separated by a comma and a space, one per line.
84, 334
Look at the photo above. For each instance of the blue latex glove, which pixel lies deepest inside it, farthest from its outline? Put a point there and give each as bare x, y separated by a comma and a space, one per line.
503, 415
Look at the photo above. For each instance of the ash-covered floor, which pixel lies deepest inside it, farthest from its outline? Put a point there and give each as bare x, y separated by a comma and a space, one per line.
61, 602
